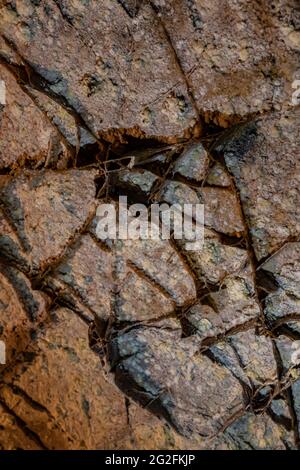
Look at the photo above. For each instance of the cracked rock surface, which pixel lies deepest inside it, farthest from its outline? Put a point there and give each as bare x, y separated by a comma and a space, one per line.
144, 344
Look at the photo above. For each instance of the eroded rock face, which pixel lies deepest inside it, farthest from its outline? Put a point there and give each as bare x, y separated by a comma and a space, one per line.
71, 415
62, 203
26, 135
283, 304
164, 367
153, 330
239, 58
144, 343
113, 70
23, 312
264, 158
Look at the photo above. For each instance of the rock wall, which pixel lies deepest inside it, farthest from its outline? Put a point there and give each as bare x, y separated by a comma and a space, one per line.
143, 344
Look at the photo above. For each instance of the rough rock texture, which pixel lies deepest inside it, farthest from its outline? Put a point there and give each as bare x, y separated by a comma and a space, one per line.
265, 161
239, 58
26, 135
143, 343
128, 76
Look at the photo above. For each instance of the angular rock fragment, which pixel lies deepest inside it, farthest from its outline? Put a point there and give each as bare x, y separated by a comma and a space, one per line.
193, 163
162, 265
289, 352
256, 432
214, 261
174, 192
263, 157
281, 307
65, 295
233, 305
26, 135
138, 182
217, 176
12, 436
256, 356
112, 71
87, 271
222, 211
80, 410
63, 120
236, 299
140, 300
165, 372
280, 412
284, 268
249, 357
224, 354
46, 210
22, 312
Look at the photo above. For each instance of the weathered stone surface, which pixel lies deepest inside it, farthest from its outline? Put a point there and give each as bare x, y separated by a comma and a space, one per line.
10, 245
256, 356
47, 209
146, 428
231, 306
22, 311
264, 159
221, 208
193, 163
162, 265
81, 409
237, 295
114, 71
26, 135
280, 412
87, 270
150, 303
174, 192
12, 436
65, 122
217, 176
161, 368
138, 181
72, 414
246, 353
295, 391
290, 355
256, 432
214, 261
221, 211
284, 268
289, 352
280, 307
239, 58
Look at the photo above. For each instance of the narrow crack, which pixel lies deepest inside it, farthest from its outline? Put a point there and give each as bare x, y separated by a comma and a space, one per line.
178, 63
24, 427
26, 75
290, 401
